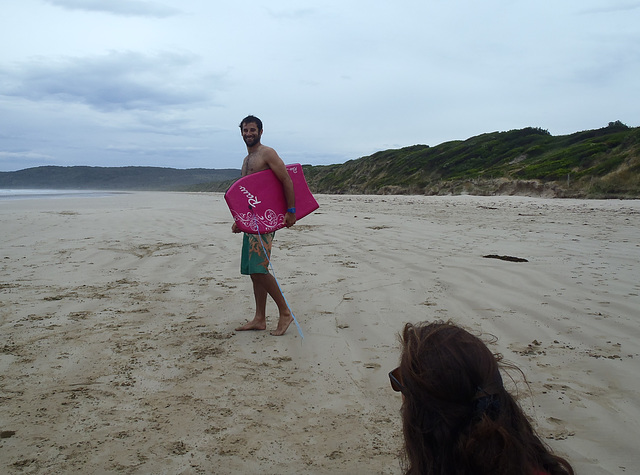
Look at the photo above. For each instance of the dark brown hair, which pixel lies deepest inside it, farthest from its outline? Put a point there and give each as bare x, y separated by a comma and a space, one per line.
249, 119
457, 416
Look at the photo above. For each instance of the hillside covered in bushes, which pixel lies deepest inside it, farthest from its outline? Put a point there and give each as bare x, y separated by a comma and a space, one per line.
602, 163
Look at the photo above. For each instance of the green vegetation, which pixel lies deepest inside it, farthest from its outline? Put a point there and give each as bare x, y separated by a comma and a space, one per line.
602, 163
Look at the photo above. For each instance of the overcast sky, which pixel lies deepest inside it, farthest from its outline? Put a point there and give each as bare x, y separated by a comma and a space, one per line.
166, 82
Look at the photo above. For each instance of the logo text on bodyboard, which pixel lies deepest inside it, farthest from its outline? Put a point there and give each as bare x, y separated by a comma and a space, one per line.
251, 198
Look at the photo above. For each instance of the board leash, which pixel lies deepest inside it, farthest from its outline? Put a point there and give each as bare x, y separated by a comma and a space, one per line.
295, 320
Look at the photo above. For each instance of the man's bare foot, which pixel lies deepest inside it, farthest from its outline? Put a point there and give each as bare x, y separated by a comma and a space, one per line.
283, 324
253, 325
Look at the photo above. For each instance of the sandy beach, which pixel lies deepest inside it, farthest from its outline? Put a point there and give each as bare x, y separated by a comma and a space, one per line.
118, 352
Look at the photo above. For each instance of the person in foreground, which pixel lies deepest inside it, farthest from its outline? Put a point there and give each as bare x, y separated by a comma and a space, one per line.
457, 416
254, 262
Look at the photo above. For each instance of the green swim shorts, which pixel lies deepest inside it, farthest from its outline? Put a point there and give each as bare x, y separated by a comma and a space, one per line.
253, 260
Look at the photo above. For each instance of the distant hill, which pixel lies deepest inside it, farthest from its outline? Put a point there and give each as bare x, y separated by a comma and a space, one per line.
112, 178
602, 163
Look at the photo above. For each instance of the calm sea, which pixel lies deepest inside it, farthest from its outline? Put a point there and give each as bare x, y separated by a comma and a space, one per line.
51, 194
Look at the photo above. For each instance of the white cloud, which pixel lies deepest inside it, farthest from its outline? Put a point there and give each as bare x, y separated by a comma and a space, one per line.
111, 82
332, 81
612, 7
118, 7
25, 154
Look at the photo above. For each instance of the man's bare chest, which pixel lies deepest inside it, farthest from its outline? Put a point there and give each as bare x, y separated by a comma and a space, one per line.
253, 163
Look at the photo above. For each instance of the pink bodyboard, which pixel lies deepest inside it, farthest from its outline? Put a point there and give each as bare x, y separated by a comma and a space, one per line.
257, 202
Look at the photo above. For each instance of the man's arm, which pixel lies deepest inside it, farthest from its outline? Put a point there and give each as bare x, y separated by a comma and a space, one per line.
278, 167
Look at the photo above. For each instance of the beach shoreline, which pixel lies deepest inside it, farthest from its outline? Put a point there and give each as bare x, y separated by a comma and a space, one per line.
119, 354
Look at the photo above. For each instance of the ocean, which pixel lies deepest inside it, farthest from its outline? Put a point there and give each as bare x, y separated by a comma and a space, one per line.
11, 194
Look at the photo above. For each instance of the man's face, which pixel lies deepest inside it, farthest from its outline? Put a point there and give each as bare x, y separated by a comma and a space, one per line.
250, 134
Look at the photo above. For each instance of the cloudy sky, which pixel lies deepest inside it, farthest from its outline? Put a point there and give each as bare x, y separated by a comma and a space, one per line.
166, 82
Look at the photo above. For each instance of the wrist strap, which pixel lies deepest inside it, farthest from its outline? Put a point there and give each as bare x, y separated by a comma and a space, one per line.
291, 210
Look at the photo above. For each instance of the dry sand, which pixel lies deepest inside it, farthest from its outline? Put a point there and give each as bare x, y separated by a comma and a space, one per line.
118, 353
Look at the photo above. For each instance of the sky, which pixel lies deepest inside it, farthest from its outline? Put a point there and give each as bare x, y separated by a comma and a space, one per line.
167, 82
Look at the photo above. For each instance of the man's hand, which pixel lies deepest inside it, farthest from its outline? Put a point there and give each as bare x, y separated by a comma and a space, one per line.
234, 228
289, 219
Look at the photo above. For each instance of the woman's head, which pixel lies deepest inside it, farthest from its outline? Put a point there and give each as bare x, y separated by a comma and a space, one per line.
445, 364
457, 416
450, 379
448, 369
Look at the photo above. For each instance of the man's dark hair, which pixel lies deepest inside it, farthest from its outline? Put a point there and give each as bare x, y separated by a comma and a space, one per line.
249, 119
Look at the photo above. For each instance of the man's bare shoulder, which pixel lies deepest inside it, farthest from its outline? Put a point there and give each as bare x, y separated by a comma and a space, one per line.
270, 156
266, 151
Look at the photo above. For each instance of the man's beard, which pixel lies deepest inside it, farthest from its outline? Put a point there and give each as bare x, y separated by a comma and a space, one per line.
251, 141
